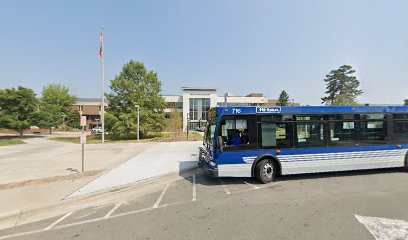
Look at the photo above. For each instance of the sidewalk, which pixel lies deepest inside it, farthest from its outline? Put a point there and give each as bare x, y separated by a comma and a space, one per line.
149, 160
44, 158
157, 159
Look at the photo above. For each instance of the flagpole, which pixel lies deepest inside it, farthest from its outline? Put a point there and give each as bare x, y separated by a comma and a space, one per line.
103, 93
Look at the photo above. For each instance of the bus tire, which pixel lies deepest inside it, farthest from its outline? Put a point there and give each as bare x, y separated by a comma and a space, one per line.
406, 163
265, 171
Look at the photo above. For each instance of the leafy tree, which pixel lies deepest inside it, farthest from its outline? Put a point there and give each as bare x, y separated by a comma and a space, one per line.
406, 102
17, 108
283, 99
110, 121
176, 122
342, 87
74, 119
135, 85
55, 103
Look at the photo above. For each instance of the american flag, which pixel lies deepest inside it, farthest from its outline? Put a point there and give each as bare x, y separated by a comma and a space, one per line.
100, 55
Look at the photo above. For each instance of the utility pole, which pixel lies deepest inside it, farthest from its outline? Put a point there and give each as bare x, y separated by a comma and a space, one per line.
101, 56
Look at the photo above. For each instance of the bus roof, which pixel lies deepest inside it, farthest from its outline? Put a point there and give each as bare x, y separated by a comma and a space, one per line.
310, 110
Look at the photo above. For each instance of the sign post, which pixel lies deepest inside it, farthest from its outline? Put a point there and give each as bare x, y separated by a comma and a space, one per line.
188, 123
83, 138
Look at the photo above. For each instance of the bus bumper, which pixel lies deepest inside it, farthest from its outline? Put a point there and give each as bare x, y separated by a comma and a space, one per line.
207, 169
210, 171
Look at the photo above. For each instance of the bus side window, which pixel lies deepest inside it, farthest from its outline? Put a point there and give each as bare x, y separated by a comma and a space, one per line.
401, 127
268, 134
276, 135
310, 134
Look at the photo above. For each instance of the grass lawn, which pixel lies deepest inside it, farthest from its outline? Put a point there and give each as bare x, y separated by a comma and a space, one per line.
162, 137
6, 142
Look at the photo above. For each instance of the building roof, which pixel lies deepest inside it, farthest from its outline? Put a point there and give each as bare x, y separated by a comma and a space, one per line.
198, 89
90, 101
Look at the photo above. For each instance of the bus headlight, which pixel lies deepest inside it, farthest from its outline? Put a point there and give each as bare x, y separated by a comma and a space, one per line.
213, 164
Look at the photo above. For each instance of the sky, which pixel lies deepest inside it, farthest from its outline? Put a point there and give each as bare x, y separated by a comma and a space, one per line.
236, 46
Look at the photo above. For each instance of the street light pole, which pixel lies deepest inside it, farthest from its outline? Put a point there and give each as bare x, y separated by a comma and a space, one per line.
63, 119
138, 113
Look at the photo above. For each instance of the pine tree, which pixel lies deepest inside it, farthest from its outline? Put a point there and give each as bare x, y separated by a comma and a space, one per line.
342, 87
283, 99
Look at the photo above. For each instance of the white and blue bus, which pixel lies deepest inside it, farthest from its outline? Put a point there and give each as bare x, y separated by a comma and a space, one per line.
263, 142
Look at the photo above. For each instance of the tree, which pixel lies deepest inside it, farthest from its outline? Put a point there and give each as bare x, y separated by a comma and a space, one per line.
342, 87
176, 122
55, 103
406, 102
74, 119
135, 85
17, 108
283, 99
110, 121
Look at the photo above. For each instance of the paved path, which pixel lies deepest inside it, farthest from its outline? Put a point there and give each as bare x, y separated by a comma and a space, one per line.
157, 159
43, 158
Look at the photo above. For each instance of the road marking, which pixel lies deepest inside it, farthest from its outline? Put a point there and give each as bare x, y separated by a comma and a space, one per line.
113, 210
384, 228
58, 221
253, 186
161, 196
62, 226
88, 221
225, 187
194, 188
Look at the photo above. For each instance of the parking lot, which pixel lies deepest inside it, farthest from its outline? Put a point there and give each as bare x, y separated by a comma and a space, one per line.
318, 206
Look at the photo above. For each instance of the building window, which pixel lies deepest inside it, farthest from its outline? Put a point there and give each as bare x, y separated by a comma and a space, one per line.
204, 108
199, 108
193, 108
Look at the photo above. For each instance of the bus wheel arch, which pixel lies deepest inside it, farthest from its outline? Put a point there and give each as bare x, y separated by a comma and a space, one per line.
276, 164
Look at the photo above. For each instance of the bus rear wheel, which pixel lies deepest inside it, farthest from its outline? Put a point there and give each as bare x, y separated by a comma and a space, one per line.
265, 171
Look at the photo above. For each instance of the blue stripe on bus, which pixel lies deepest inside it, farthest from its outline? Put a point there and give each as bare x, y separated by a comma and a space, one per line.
237, 157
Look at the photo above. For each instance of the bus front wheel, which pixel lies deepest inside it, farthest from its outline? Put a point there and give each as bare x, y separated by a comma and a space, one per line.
265, 171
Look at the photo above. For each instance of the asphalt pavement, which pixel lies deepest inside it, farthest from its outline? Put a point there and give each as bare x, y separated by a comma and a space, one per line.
353, 205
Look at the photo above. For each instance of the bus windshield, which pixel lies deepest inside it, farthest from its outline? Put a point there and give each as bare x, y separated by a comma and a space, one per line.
209, 132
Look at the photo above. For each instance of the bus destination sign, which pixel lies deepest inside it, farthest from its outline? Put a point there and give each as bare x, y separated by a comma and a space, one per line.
268, 109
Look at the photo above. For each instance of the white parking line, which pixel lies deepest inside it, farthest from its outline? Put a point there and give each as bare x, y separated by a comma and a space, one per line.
225, 187
161, 196
89, 221
194, 188
58, 221
253, 186
113, 210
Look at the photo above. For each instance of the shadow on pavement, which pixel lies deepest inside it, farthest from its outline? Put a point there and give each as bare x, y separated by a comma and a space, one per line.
337, 174
204, 179
18, 137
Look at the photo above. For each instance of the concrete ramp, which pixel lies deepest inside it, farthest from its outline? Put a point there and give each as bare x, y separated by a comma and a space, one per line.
157, 159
